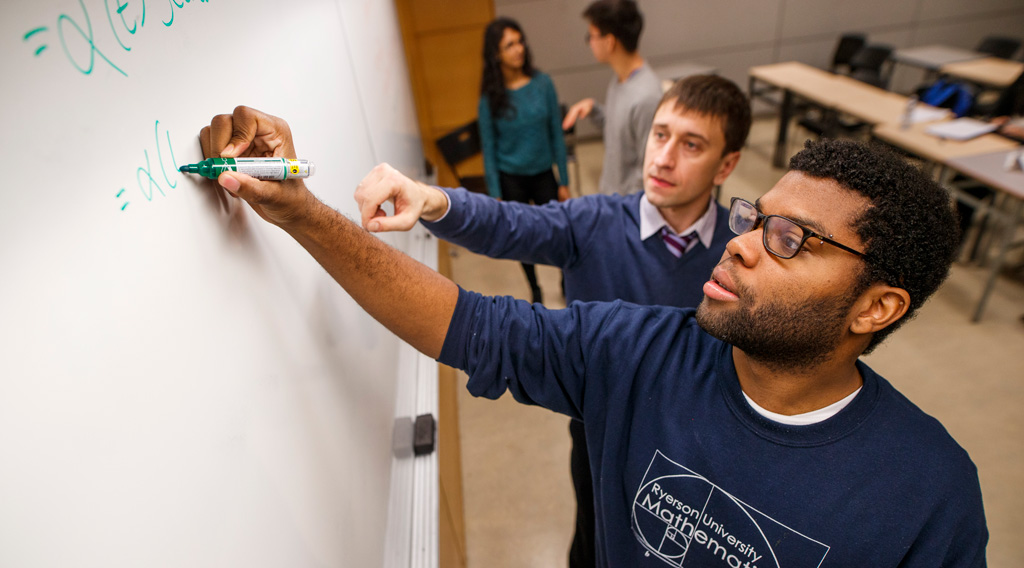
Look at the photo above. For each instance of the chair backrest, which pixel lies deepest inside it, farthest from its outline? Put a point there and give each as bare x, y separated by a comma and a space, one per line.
1011, 100
869, 65
460, 144
846, 47
871, 57
997, 46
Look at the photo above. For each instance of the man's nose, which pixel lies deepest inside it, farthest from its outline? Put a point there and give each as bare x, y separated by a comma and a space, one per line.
747, 248
664, 156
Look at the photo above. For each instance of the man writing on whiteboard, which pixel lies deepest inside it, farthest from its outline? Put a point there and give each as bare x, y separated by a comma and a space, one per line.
745, 433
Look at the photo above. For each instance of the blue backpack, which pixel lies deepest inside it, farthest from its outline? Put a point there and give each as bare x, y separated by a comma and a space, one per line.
954, 96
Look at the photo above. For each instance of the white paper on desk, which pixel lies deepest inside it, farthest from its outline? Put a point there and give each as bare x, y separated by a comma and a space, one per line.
961, 129
1014, 161
928, 114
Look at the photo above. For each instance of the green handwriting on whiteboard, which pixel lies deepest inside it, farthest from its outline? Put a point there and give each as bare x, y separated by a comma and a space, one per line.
148, 184
80, 43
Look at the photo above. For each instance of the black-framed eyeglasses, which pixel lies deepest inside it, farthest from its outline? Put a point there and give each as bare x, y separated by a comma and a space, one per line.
782, 237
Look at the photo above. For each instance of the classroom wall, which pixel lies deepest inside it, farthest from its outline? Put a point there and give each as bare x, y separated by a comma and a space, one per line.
443, 41
733, 35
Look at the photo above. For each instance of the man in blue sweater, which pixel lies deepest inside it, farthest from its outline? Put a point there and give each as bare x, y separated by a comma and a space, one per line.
652, 247
745, 433
655, 244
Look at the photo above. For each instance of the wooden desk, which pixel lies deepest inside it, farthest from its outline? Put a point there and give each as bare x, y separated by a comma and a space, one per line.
866, 102
991, 71
938, 150
933, 57
988, 169
793, 78
793, 75
981, 159
834, 93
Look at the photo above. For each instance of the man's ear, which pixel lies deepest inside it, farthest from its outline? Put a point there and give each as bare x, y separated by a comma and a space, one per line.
726, 167
616, 44
879, 307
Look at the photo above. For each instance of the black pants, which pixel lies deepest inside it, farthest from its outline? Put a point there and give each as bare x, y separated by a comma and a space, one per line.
538, 189
581, 554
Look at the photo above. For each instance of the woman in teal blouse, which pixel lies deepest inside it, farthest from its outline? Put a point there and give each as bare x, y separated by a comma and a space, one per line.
520, 126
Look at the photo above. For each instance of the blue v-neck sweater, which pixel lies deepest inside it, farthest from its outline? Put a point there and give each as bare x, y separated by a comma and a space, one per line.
595, 240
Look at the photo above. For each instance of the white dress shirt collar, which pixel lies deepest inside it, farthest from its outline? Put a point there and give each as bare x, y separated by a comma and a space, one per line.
651, 222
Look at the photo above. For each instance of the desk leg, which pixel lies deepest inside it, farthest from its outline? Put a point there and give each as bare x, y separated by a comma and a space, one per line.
781, 141
984, 210
829, 122
1007, 229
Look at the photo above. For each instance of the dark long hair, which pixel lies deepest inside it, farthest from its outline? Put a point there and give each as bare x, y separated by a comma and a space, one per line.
492, 84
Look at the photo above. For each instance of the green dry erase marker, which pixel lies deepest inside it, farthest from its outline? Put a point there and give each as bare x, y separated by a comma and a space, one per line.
259, 168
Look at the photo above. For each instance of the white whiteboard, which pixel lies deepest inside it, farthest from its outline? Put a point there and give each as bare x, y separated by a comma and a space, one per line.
180, 384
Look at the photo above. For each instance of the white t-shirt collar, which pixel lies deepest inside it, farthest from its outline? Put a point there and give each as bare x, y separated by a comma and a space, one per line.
807, 418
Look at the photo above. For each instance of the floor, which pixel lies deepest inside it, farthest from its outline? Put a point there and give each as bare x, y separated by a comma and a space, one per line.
519, 505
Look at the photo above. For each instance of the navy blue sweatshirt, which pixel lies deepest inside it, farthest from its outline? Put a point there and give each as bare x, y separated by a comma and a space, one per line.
687, 474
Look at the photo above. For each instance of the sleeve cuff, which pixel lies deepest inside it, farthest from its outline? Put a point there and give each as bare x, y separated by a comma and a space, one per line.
447, 207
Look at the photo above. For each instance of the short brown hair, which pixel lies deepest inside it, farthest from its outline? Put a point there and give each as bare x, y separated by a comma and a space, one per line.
716, 97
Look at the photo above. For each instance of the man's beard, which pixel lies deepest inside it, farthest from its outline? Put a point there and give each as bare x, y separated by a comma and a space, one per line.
780, 334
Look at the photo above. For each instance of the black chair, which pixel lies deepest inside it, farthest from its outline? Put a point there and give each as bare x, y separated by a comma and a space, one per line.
997, 46
1010, 101
815, 118
458, 146
871, 65
847, 46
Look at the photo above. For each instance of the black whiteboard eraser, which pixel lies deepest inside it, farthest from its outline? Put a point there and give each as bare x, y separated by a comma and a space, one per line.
423, 437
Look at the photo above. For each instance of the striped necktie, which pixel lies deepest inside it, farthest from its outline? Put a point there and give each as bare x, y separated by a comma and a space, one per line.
676, 244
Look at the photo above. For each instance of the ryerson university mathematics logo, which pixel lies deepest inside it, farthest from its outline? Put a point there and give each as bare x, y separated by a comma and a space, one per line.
685, 520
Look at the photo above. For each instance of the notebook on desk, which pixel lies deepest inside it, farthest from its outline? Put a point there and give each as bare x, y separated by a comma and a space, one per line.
924, 113
961, 129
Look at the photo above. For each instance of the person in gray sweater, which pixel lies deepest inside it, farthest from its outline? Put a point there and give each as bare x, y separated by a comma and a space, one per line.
633, 93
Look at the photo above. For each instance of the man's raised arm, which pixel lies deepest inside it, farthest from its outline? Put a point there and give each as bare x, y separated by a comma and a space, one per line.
413, 301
